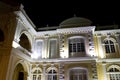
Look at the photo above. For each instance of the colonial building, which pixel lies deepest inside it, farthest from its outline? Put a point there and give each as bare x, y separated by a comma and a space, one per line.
74, 50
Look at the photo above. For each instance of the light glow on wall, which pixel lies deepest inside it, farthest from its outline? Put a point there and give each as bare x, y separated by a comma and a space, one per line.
64, 54
15, 44
101, 53
34, 56
92, 53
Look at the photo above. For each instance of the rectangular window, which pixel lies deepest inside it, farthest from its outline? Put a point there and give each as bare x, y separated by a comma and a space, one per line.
53, 48
76, 47
39, 48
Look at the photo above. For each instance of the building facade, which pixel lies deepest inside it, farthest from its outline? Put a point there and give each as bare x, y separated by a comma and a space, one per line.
74, 50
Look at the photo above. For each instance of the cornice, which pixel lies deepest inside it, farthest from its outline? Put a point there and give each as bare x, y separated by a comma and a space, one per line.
109, 60
24, 20
28, 58
80, 59
107, 32
46, 33
66, 31
76, 30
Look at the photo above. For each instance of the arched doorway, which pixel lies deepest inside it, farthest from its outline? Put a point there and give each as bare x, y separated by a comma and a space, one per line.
1, 36
78, 73
19, 73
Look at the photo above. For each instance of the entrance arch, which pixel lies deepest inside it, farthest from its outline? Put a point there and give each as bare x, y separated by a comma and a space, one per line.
78, 73
20, 71
1, 36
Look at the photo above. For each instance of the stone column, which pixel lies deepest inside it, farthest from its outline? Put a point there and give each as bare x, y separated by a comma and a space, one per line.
104, 71
94, 71
61, 45
61, 71
44, 72
118, 41
100, 49
25, 75
4, 61
91, 45
30, 76
45, 53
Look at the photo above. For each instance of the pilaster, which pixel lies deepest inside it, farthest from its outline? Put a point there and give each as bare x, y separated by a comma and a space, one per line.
94, 71
61, 71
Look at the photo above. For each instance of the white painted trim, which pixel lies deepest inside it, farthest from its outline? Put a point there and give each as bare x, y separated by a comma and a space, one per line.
108, 60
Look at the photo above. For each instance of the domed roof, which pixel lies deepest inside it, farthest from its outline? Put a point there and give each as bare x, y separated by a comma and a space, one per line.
75, 21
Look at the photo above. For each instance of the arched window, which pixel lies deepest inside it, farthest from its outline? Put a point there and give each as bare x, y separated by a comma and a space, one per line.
114, 72
52, 74
78, 74
76, 45
24, 42
36, 74
109, 46
1, 36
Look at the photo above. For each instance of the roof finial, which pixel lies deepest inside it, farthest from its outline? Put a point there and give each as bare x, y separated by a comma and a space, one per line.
47, 25
74, 15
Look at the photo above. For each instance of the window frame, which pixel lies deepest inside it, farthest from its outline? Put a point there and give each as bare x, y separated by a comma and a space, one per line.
35, 76
113, 72
109, 45
83, 42
42, 41
56, 51
52, 74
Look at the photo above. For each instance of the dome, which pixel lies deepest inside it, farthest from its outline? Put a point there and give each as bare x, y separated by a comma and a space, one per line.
75, 21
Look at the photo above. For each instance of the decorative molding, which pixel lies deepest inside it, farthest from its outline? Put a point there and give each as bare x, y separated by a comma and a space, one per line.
66, 31
106, 32
94, 71
76, 30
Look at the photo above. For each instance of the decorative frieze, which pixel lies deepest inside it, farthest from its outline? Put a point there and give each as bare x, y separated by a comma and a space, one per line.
94, 71
91, 43
76, 30
61, 71
61, 43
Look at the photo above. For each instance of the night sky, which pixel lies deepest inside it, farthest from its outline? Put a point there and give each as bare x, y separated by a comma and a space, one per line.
52, 13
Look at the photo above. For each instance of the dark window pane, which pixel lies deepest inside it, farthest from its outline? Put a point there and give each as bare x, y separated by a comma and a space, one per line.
1, 36
112, 49
109, 46
76, 45
21, 76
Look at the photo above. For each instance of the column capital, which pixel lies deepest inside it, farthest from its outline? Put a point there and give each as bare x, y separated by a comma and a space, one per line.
103, 63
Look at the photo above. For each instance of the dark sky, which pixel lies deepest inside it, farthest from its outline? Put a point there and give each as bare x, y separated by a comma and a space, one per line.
52, 13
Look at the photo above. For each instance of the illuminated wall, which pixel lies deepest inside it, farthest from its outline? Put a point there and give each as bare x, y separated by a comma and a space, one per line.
73, 47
